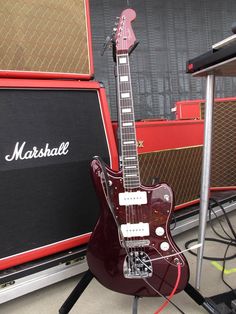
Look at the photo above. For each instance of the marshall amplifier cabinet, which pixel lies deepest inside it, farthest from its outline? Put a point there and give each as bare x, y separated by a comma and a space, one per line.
49, 132
223, 170
45, 39
171, 152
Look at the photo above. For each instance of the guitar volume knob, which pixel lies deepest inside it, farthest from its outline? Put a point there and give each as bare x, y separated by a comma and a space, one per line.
159, 231
164, 246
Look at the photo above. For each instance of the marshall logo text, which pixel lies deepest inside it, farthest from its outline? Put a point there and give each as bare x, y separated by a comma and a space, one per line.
20, 152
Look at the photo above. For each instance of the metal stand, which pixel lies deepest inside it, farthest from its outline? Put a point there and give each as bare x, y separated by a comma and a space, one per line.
135, 305
79, 289
210, 306
76, 293
206, 169
221, 68
207, 303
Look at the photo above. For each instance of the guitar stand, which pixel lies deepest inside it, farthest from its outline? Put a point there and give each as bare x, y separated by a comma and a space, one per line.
207, 303
76, 292
79, 289
135, 305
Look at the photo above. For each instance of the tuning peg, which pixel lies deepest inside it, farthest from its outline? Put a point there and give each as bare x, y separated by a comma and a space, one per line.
114, 29
106, 44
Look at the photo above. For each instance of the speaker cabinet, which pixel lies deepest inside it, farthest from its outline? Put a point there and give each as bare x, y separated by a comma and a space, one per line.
223, 167
45, 39
49, 132
171, 152
223, 173
180, 168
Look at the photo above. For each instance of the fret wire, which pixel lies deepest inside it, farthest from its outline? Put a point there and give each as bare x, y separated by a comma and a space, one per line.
132, 151
130, 170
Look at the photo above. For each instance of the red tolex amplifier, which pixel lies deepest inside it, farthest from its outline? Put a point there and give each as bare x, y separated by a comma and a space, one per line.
50, 130
171, 152
187, 110
45, 39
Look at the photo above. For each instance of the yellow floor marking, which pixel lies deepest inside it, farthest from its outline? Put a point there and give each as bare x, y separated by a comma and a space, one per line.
226, 271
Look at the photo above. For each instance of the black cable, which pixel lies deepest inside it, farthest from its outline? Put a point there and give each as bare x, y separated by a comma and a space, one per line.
223, 270
230, 243
224, 258
226, 216
229, 237
228, 240
187, 244
211, 210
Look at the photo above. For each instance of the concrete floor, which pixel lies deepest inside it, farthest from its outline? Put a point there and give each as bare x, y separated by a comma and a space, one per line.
97, 299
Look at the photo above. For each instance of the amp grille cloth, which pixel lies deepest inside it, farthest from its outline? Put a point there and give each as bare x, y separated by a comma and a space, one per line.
223, 170
45, 36
179, 168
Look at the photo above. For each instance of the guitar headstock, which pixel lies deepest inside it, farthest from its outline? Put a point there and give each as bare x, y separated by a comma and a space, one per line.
125, 40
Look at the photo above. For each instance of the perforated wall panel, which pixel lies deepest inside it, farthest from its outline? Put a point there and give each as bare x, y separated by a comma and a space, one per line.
170, 32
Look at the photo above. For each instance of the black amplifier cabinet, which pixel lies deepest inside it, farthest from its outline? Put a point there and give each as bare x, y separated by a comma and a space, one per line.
49, 132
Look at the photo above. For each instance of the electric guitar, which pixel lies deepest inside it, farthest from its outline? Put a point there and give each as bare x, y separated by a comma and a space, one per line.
131, 249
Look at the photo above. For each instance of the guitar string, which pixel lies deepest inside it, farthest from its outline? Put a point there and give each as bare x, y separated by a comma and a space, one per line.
129, 209
128, 180
134, 210
128, 137
138, 208
138, 258
119, 227
126, 69
132, 148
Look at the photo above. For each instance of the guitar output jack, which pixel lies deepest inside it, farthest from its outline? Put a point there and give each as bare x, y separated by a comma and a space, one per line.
177, 261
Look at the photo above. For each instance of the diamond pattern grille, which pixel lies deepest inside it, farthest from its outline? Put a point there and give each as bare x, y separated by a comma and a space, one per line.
223, 170
180, 168
45, 36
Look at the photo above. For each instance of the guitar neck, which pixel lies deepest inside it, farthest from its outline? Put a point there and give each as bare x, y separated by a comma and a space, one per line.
129, 154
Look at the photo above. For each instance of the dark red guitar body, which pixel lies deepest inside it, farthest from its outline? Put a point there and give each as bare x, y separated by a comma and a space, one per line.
106, 256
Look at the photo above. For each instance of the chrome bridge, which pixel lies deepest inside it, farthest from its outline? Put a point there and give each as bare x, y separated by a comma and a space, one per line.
137, 265
135, 243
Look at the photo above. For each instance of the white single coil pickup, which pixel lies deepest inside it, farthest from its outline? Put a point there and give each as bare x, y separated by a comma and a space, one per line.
132, 198
140, 229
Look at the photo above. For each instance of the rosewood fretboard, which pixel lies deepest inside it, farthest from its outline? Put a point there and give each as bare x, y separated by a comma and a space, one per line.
129, 152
